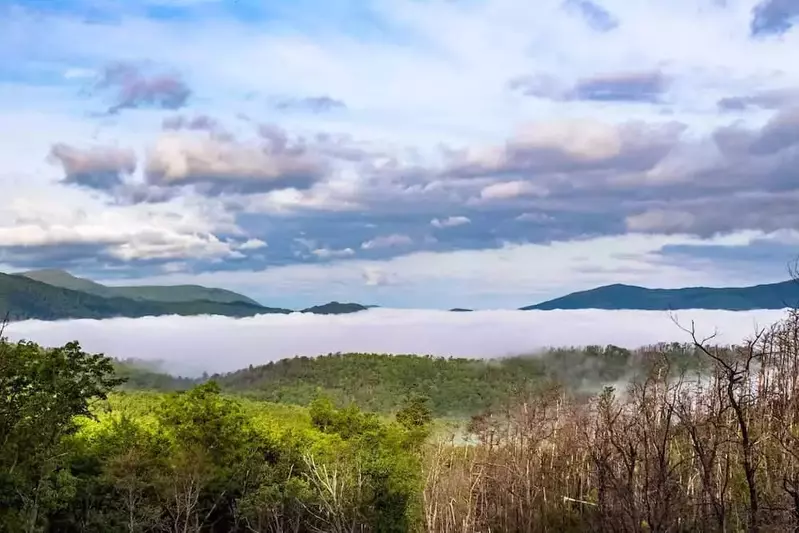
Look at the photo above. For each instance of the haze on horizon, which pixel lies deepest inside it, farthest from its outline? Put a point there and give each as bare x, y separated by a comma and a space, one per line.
491, 153
191, 345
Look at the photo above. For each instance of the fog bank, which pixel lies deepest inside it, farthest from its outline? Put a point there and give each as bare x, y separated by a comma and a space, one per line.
191, 345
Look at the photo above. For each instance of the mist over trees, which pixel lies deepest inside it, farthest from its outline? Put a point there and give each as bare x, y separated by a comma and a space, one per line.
682, 437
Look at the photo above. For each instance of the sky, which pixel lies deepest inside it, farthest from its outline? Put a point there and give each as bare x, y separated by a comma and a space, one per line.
189, 346
404, 153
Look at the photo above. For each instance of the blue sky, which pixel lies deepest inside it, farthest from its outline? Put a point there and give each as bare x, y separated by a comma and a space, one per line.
479, 153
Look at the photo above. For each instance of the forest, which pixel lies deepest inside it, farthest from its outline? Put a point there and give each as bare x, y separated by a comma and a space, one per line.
454, 387
667, 438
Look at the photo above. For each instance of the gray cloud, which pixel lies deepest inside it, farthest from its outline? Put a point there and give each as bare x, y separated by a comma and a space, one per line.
622, 87
591, 178
779, 133
575, 148
98, 168
596, 16
772, 100
771, 17
707, 215
134, 87
217, 165
314, 104
644, 86
197, 123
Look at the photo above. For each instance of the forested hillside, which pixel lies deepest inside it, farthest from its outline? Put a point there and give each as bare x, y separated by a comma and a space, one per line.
156, 293
22, 298
666, 451
768, 296
454, 386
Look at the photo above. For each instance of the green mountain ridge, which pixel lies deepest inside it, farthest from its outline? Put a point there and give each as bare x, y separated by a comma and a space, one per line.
619, 297
58, 295
336, 308
156, 293
22, 298
455, 386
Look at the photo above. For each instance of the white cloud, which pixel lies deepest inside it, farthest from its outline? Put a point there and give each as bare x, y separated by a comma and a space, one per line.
534, 217
184, 228
252, 244
438, 76
660, 220
387, 241
191, 345
450, 222
510, 189
326, 253
508, 277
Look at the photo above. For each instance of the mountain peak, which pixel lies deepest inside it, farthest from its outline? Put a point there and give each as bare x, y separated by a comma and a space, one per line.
619, 296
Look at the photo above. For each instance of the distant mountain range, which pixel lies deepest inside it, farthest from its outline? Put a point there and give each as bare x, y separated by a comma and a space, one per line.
158, 293
57, 295
769, 296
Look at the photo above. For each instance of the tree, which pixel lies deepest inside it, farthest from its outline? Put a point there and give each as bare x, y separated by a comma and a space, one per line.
42, 393
415, 412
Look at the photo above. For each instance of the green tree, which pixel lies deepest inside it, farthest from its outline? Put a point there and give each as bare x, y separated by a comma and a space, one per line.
212, 454
42, 394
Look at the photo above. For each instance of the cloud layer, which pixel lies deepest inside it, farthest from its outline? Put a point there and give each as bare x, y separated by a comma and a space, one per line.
372, 147
192, 345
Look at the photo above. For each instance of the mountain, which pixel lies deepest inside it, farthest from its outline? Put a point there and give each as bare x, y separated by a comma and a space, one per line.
157, 293
336, 308
768, 296
23, 298
461, 310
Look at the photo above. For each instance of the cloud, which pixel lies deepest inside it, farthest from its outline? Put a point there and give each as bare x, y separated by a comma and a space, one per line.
328, 253
774, 17
375, 277
101, 167
622, 87
450, 222
314, 104
191, 345
71, 228
640, 86
571, 147
387, 241
252, 244
780, 132
510, 274
126, 245
534, 217
596, 16
660, 220
627, 123
773, 100
509, 189
196, 123
218, 165
134, 87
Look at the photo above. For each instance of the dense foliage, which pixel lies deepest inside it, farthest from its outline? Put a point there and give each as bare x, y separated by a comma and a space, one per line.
70, 460
681, 447
455, 386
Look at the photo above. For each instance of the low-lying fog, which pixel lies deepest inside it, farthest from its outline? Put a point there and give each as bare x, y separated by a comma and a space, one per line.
191, 345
